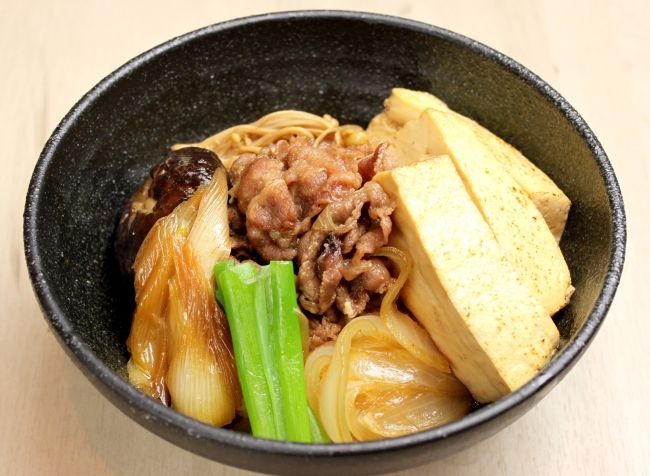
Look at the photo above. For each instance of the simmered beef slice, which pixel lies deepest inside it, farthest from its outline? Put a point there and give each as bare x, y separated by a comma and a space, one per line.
337, 247
318, 206
323, 329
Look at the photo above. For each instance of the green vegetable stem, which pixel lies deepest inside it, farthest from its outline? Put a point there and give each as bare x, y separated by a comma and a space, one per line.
262, 311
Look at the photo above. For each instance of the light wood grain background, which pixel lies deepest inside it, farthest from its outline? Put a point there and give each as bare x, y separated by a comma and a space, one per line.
595, 53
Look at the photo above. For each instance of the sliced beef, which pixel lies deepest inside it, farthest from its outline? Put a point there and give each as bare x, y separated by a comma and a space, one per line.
347, 230
317, 205
323, 329
282, 189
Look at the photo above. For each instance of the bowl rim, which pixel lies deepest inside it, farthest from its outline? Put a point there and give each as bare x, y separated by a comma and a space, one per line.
547, 377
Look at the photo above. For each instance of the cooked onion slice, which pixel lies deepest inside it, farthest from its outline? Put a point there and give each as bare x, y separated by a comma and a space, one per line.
384, 411
405, 330
333, 385
316, 365
371, 387
384, 377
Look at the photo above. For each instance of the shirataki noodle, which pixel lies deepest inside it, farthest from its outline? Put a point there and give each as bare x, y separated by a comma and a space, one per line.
234, 141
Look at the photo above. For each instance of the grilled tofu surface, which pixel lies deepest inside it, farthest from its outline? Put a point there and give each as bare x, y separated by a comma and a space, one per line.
516, 223
463, 288
405, 105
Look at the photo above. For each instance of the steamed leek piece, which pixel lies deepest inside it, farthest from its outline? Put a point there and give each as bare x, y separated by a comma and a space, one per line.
202, 376
198, 385
153, 267
210, 234
181, 351
262, 310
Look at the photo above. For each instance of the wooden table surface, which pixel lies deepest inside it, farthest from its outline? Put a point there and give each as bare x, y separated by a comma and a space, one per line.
595, 53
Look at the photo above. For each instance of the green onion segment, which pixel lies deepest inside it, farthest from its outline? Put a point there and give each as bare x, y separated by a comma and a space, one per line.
263, 314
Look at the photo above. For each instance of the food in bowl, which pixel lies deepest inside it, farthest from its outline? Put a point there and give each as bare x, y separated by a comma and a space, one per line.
457, 219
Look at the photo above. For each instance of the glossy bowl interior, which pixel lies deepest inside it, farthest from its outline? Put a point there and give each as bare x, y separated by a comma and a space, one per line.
343, 64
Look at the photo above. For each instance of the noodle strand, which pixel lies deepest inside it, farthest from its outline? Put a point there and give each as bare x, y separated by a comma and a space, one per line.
232, 142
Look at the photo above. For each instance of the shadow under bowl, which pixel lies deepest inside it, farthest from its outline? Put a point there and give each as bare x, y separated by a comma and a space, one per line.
339, 63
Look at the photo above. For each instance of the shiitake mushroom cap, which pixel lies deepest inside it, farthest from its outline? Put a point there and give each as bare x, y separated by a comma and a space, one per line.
169, 184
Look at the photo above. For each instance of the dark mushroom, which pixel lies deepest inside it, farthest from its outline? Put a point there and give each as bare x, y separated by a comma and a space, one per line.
169, 184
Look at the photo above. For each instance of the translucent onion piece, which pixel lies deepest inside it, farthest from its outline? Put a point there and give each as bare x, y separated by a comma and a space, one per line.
389, 364
360, 431
153, 267
316, 365
331, 404
367, 386
324, 222
201, 367
385, 411
210, 234
409, 333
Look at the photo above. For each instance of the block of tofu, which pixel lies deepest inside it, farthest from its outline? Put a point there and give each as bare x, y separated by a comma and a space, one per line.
462, 288
404, 105
551, 202
382, 127
515, 221
401, 106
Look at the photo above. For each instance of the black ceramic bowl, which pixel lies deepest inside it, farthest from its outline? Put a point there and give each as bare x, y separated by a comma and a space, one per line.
343, 64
